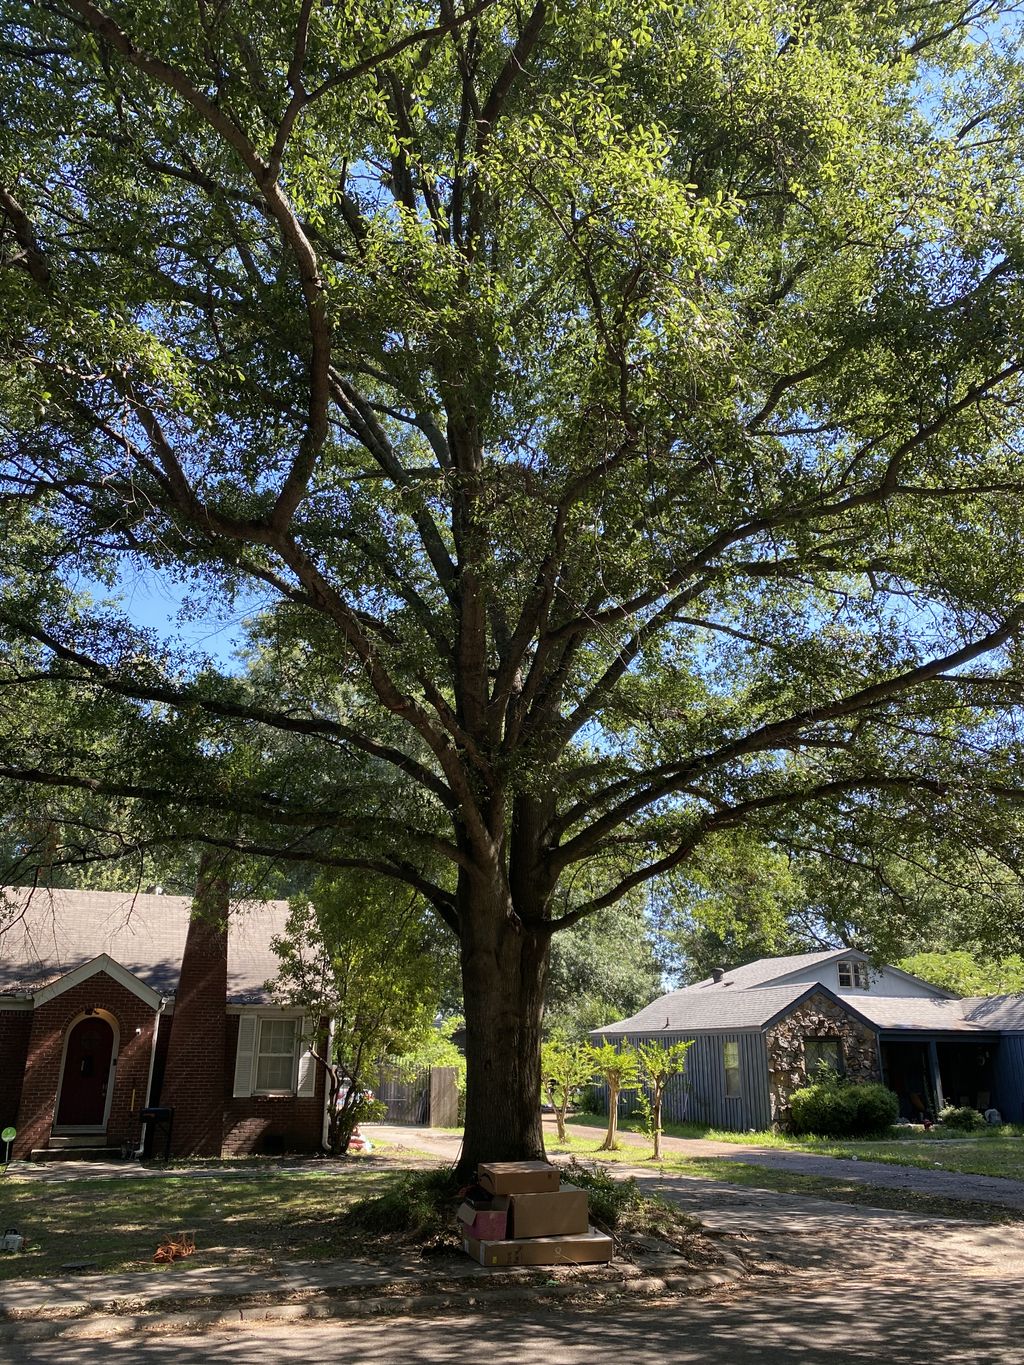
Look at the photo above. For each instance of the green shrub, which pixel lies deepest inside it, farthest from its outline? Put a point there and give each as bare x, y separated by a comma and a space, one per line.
608, 1199
418, 1204
832, 1107
877, 1108
592, 1100
368, 1109
962, 1117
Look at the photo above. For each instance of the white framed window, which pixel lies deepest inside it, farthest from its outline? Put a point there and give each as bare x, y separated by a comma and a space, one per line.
854, 973
731, 1063
271, 1058
276, 1056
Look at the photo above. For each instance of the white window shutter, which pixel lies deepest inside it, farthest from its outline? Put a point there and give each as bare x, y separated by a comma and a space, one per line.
307, 1068
245, 1055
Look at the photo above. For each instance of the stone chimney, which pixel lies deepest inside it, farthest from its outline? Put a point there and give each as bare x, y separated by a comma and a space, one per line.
194, 1076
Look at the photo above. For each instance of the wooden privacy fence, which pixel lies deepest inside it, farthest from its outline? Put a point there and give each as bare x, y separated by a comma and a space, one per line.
428, 1098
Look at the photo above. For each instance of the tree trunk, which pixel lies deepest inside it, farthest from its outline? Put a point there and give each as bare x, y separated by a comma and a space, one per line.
657, 1123
558, 1107
611, 1137
504, 966
561, 1112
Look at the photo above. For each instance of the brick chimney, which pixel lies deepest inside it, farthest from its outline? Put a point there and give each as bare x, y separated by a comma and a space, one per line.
194, 1076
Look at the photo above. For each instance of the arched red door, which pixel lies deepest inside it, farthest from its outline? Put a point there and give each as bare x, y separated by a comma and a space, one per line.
83, 1090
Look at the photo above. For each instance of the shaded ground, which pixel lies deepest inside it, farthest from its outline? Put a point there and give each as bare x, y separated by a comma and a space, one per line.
837, 1283
111, 1224
811, 1235
859, 1321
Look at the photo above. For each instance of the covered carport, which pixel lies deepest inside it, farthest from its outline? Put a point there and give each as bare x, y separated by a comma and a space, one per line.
933, 1052
927, 1071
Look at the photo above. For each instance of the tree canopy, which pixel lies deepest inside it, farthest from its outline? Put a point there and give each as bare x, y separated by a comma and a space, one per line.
615, 407
963, 973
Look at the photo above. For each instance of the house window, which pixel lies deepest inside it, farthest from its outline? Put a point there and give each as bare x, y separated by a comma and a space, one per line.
275, 1055
854, 973
731, 1060
822, 1050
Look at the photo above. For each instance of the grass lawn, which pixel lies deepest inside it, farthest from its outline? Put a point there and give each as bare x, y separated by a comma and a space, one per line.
843, 1191
996, 1151
249, 1221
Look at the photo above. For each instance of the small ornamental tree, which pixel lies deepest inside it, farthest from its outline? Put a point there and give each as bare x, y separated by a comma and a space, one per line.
352, 957
567, 1067
658, 1065
619, 1068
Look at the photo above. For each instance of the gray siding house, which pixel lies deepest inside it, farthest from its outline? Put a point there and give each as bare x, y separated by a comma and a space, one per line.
759, 1031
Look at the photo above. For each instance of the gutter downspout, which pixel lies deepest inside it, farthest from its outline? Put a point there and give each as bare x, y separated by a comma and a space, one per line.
327, 1087
149, 1082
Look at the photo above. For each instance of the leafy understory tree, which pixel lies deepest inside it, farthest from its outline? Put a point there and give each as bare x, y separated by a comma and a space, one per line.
966, 973
614, 409
619, 1068
352, 957
567, 1067
658, 1064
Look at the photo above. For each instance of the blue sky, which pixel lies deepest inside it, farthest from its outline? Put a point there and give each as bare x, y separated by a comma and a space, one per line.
177, 612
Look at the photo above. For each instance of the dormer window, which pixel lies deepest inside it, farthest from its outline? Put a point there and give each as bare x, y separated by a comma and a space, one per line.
853, 973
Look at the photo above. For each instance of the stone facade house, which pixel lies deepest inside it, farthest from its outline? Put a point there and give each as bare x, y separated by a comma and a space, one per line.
112, 1003
760, 1031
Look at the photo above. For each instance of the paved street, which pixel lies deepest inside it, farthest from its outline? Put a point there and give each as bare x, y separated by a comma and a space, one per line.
909, 1322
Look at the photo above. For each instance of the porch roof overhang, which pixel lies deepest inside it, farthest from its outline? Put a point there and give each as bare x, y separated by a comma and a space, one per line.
937, 1035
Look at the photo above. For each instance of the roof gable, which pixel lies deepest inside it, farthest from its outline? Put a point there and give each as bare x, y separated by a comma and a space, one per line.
778, 971
113, 969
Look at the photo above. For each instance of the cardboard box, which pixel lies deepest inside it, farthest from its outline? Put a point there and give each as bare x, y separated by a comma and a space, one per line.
518, 1177
560, 1213
587, 1248
484, 1222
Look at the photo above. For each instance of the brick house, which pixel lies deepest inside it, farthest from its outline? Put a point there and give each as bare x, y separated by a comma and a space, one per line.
112, 1002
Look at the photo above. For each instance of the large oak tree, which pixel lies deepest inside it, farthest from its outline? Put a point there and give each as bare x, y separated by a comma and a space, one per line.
616, 405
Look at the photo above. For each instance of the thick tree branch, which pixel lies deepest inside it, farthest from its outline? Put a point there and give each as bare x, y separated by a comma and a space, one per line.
780, 734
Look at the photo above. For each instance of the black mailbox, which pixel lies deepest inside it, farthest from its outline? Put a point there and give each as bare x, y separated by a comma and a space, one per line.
162, 1119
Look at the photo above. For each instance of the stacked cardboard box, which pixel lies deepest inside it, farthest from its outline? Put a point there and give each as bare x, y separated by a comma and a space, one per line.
523, 1215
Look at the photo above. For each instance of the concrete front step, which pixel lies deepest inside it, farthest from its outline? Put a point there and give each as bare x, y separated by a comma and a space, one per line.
75, 1154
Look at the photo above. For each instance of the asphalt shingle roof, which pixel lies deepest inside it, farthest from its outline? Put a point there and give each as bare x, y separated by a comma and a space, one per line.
996, 1011
741, 1001
45, 934
913, 1012
768, 969
725, 1008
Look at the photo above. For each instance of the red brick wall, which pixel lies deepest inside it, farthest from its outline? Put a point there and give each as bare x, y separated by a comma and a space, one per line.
15, 1031
50, 1023
268, 1123
194, 1076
